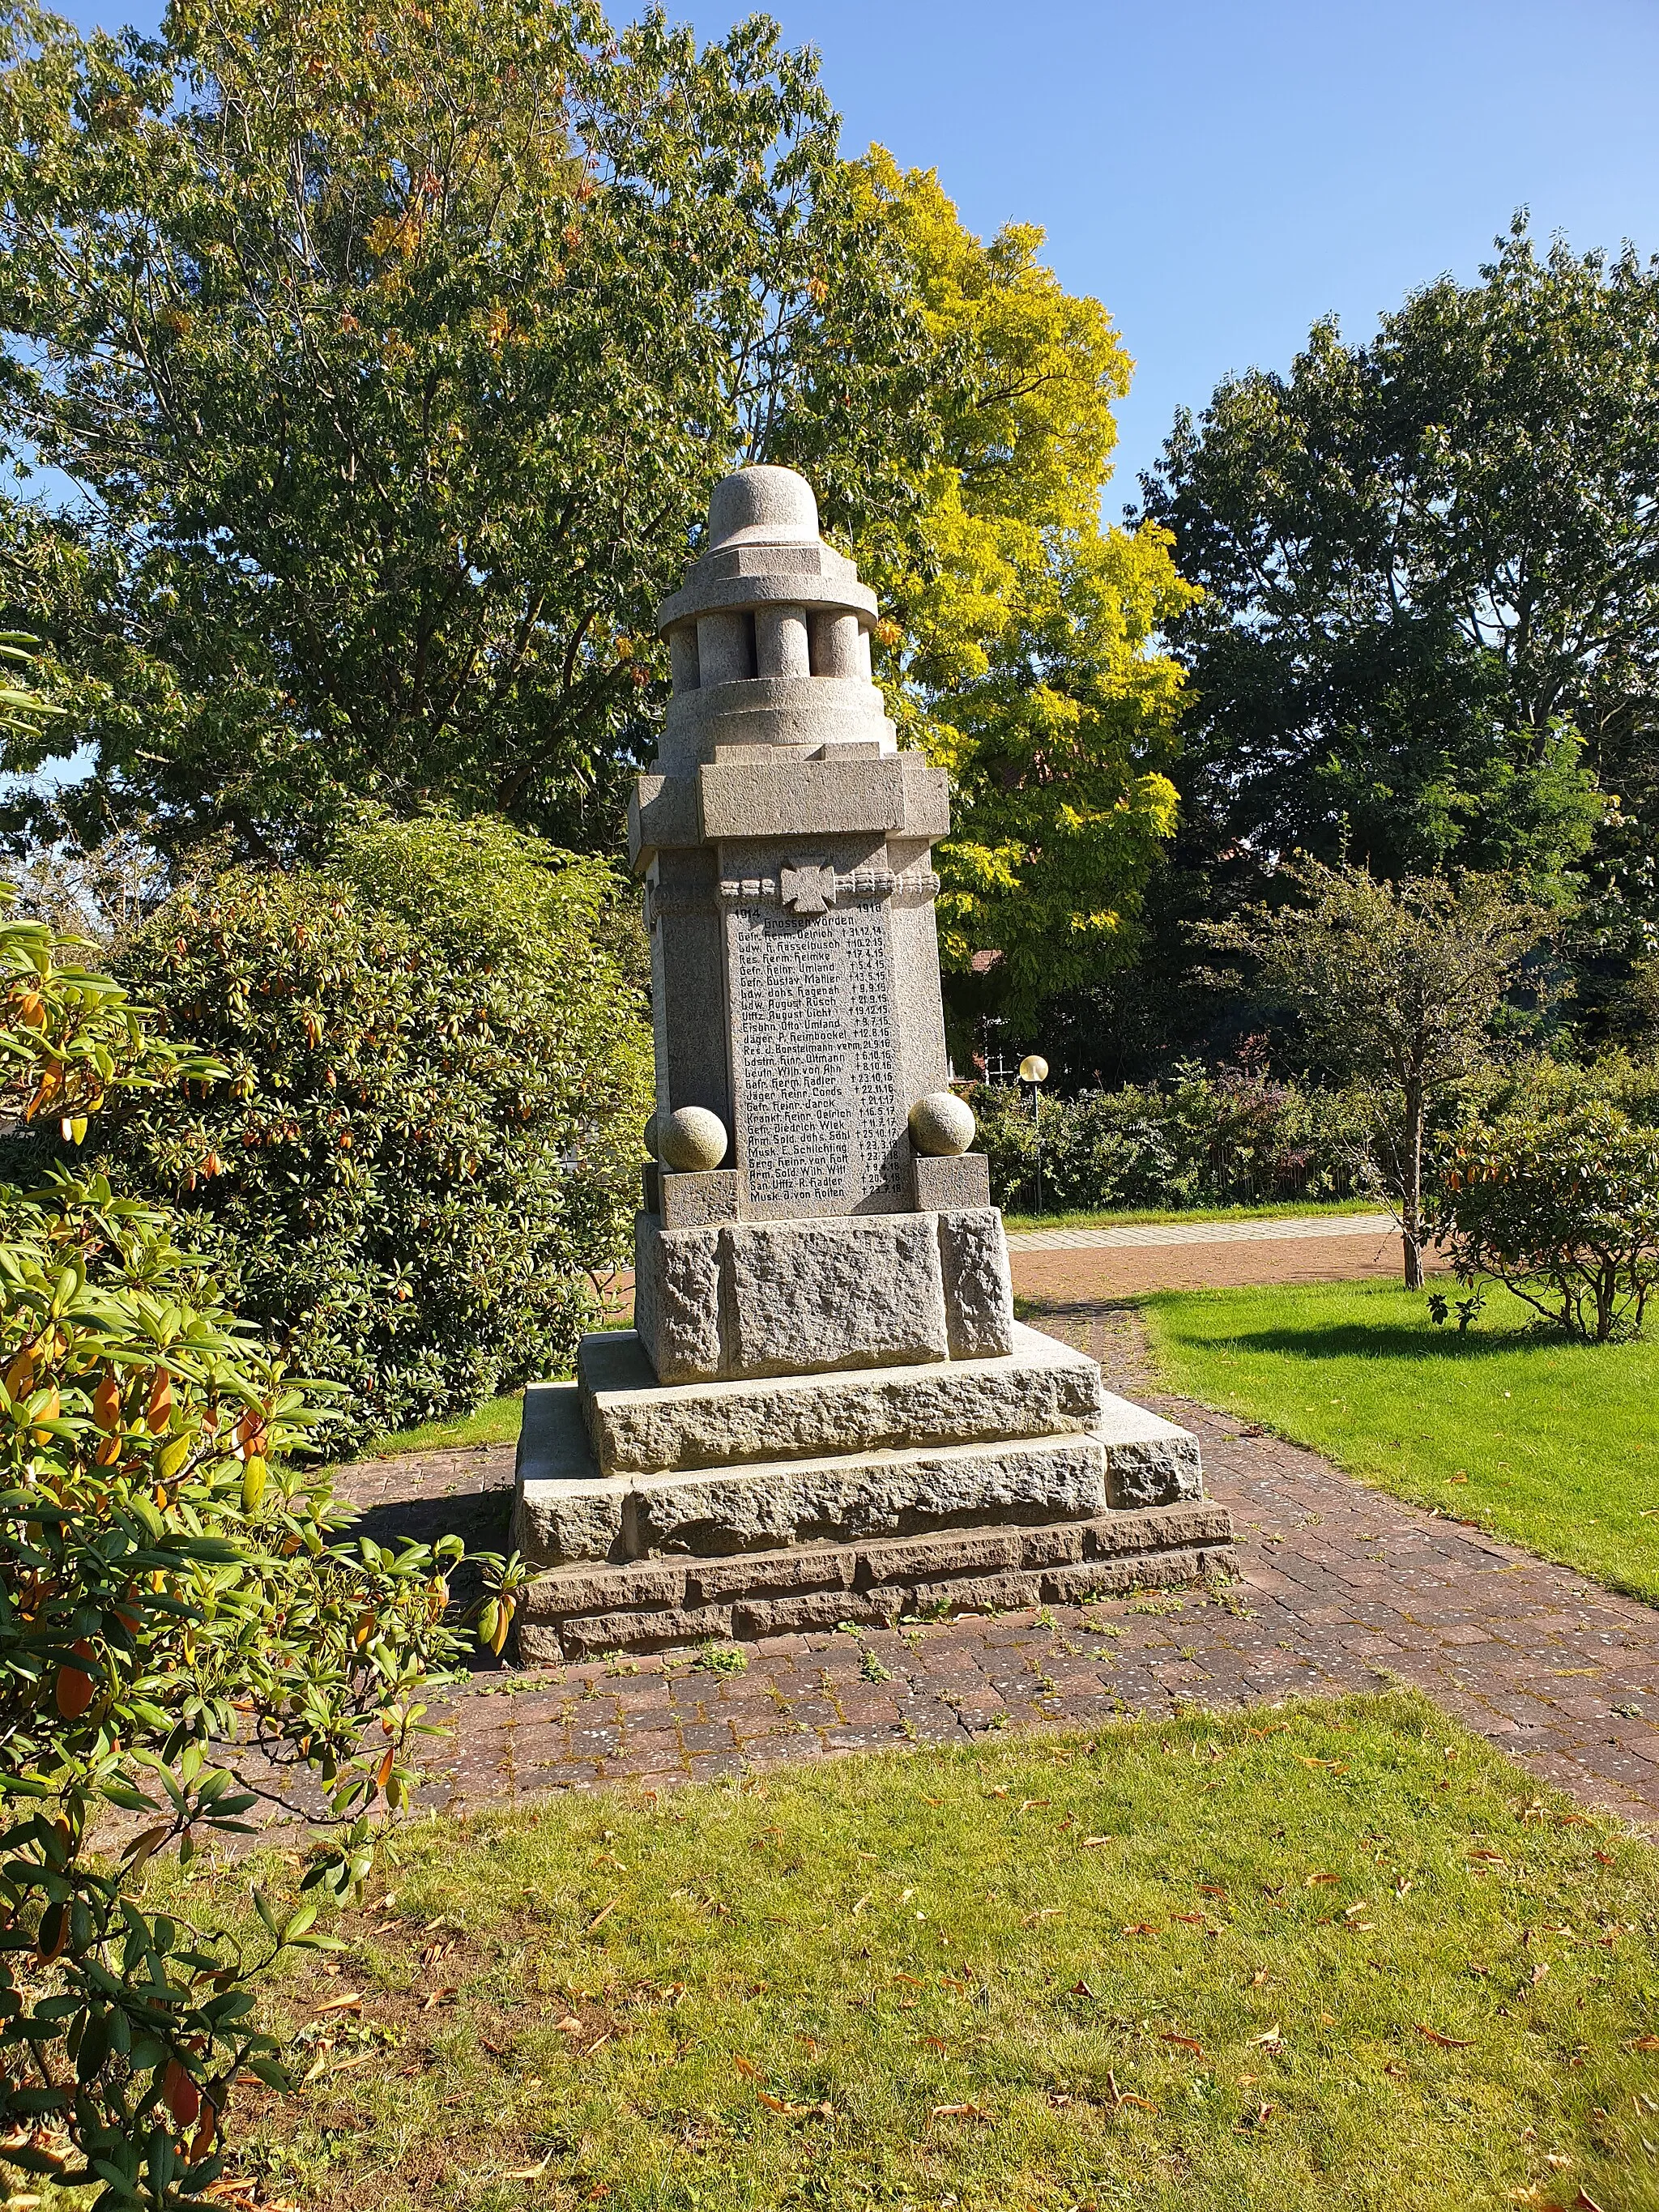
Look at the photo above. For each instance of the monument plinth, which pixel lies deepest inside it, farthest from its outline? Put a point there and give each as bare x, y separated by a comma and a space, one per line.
826, 1410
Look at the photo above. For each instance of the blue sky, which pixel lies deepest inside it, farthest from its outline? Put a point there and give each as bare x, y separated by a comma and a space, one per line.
1221, 172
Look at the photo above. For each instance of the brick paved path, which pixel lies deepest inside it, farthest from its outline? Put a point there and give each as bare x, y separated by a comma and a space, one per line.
1341, 1587
1374, 1226
1117, 1270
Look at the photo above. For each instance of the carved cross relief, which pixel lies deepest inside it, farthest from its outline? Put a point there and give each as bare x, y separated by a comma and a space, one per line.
806, 886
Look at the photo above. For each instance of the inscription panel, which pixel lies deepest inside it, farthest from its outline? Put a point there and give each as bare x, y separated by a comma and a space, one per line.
814, 1060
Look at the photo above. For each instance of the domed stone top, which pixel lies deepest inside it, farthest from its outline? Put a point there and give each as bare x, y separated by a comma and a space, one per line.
762, 506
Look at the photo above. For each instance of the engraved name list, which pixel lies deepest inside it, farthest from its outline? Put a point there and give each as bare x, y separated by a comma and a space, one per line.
814, 1059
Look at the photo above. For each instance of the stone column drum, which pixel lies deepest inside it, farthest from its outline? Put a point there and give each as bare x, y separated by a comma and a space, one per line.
826, 1410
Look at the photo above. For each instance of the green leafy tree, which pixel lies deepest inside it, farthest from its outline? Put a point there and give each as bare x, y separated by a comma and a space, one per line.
392, 357
1020, 646
1395, 989
426, 1134
183, 1633
1563, 1207
1429, 633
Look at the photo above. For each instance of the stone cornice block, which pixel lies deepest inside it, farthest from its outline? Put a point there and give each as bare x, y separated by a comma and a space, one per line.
662, 812
900, 795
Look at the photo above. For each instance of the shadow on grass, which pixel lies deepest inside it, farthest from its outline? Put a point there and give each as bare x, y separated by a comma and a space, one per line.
1379, 1340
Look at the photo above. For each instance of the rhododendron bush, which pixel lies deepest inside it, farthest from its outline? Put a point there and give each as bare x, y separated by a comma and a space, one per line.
186, 1633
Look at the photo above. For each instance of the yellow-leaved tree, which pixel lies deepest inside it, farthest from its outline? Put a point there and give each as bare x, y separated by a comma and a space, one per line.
1019, 648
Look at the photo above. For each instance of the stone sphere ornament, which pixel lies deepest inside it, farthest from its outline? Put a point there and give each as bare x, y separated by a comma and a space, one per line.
941, 1124
691, 1140
650, 1136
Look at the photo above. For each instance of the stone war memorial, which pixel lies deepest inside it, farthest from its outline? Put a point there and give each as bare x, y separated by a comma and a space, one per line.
825, 1411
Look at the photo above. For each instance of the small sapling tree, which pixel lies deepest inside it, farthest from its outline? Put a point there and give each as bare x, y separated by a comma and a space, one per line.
1394, 989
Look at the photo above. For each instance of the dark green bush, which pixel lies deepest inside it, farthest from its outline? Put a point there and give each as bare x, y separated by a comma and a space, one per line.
1229, 1137
427, 1139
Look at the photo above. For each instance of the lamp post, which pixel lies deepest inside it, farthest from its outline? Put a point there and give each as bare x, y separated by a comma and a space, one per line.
1034, 1070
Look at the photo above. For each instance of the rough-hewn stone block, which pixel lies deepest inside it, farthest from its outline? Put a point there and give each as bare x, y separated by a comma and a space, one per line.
1149, 1461
1111, 1577
563, 1511
808, 1296
1042, 1387
1156, 1528
1050, 1547
977, 1550
696, 1201
809, 1609
946, 1185
886, 1494
676, 1298
979, 1298
653, 1630
629, 1586
979, 1593
770, 1573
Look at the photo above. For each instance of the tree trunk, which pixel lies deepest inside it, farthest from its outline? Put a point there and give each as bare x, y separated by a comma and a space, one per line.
1411, 1197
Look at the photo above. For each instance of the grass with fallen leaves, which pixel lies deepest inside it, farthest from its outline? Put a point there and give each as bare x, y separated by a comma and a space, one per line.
1552, 1444
1336, 1955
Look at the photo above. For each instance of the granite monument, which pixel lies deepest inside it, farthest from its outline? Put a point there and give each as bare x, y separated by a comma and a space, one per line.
826, 1410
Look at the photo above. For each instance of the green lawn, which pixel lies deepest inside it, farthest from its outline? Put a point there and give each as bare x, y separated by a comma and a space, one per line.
1338, 1955
496, 1422
1307, 1208
1552, 1444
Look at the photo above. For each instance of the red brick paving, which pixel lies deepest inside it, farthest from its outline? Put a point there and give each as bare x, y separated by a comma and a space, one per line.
1097, 1271
1340, 1587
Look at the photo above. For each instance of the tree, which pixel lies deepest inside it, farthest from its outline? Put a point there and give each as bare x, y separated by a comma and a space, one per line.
183, 1632
1395, 989
1020, 643
1429, 633
426, 1130
392, 358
